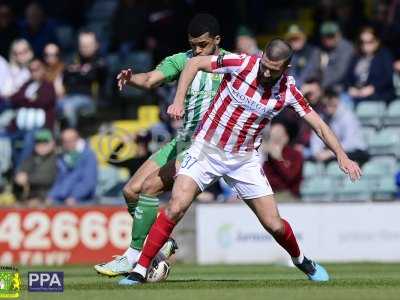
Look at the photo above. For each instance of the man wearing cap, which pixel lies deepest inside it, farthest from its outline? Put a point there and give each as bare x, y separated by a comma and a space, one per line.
246, 42
36, 174
305, 62
335, 56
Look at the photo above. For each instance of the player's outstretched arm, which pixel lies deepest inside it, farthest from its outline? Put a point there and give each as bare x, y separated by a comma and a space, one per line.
194, 65
328, 137
145, 81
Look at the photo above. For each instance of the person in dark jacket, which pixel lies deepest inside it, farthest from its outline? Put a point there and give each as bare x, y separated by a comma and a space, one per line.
36, 175
76, 171
83, 80
37, 28
370, 75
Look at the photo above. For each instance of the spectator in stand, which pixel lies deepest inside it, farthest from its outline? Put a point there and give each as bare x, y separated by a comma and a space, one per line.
34, 104
347, 128
396, 78
386, 21
246, 42
313, 92
36, 174
305, 63
76, 171
37, 29
370, 75
8, 29
284, 164
6, 81
336, 54
54, 68
83, 80
21, 55
130, 14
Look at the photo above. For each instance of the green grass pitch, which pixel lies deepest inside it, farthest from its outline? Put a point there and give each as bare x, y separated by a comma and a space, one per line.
190, 282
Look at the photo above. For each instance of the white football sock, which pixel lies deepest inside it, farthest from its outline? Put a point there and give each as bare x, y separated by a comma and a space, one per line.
298, 260
141, 270
132, 255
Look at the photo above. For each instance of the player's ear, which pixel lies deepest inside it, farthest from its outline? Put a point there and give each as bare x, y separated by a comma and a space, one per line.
217, 40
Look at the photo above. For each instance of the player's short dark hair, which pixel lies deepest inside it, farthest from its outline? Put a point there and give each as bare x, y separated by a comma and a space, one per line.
203, 23
278, 49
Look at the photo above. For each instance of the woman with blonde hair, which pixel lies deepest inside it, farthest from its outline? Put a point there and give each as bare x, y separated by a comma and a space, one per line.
21, 55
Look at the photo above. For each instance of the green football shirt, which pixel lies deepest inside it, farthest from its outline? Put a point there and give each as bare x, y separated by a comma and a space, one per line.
200, 94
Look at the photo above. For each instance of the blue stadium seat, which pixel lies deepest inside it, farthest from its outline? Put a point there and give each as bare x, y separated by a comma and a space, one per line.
335, 173
392, 117
386, 142
354, 191
368, 134
317, 189
371, 113
311, 169
373, 170
385, 189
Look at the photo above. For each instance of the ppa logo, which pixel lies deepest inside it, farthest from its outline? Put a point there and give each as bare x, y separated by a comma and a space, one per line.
46, 281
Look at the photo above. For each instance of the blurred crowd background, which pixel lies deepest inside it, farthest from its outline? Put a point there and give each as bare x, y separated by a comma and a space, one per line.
69, 137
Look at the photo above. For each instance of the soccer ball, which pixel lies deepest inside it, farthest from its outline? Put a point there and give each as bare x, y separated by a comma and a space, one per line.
159, 271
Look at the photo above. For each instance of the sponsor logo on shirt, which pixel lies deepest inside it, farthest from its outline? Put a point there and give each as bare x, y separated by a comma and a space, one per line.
249, 104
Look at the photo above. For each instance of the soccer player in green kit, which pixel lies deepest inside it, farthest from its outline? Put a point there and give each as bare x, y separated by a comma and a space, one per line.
156, 174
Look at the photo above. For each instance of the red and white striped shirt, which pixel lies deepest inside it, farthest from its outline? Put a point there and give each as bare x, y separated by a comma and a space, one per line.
243, 106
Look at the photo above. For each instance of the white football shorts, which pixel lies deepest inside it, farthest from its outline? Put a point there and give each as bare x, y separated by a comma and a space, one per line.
206, 163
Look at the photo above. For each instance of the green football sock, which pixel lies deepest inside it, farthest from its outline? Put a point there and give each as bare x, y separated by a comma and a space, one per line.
144, 217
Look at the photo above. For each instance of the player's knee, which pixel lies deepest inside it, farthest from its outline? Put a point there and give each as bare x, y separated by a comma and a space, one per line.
149, 187
174, 212
131, 192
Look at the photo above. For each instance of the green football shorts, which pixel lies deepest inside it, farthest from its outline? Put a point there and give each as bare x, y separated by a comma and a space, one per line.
173, 150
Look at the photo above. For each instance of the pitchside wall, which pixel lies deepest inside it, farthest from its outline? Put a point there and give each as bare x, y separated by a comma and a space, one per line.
328, 232
209, 233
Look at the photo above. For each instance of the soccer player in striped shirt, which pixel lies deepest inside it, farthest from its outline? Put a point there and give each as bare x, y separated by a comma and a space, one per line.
156, 174
252, 92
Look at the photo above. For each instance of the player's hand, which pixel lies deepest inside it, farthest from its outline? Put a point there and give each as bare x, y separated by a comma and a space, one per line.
350, 167
175, 111
123, 77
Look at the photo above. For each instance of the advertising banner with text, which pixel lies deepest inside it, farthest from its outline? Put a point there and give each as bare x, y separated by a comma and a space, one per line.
230, 233
57, 236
